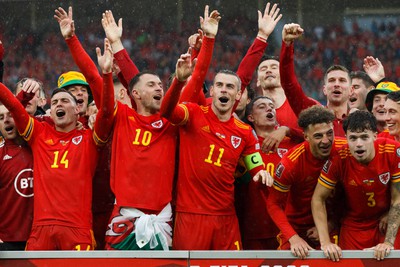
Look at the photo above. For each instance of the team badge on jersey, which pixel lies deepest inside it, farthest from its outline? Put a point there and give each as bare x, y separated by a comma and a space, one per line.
384, 177
398, 152
235, 141
77, 139
157, 124
279, 170
281, 152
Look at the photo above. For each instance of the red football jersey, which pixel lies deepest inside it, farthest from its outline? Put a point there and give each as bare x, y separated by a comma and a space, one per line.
209, 152
296, 175
255, 222
16, 191
367, 187
64, 166
142, 159
286, 116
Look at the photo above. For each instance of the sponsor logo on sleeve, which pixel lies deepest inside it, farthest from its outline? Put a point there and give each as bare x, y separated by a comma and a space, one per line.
279, 170
327, 166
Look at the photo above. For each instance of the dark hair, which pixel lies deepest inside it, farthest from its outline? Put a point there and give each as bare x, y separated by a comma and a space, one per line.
394, 96
229, 72
249, 107
136, 79
61, 90
337, 67
362, 76
268, 57
251, 93
360, 120
315, 115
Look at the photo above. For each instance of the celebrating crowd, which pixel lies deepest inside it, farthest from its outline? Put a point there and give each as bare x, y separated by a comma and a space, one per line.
117, 162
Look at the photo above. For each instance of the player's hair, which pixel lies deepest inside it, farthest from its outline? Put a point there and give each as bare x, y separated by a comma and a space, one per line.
63, 90
362, 76
136, 79
336, 67
359, 121
251, 93
249, 107
315, 115
394, 96
267, 57
229, 72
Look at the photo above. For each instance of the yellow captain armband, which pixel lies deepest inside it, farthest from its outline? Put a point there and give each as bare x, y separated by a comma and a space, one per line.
253, 160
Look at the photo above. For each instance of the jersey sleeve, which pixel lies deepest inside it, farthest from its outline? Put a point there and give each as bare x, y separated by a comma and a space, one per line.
23, 121
328, 177
249, 64
193, 91
176, 114
87, 67
298, 100
106, 114
126, 65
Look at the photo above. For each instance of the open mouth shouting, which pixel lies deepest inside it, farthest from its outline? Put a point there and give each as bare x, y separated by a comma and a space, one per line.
223, 99
9, 129
60, 113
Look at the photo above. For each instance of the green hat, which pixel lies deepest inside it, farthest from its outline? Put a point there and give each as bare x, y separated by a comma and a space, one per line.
72, 78
381, 88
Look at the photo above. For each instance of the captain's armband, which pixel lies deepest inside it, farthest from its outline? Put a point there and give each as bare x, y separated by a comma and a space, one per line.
253, 160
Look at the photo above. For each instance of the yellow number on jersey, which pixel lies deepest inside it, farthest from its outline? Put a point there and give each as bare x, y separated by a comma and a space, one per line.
371, 200
146, 138
218, 162
63, 160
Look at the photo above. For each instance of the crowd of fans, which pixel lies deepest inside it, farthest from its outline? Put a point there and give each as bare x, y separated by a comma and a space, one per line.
152, 47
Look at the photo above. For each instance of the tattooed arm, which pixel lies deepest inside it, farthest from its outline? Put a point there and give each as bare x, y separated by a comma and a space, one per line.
383, 249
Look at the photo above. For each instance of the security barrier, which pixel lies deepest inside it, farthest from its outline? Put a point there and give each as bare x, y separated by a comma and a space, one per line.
189, 259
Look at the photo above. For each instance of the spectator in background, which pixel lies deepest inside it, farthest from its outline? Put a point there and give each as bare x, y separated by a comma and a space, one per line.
361, 84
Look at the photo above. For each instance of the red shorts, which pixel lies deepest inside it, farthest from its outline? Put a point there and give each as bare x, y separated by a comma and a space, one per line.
206, 232
56, 237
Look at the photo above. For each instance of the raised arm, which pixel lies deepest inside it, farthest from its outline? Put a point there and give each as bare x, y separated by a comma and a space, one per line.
374, 68
266, 25
194, 88
105, 116
21, 117
81, 58
298, 100
177, 114
113, 33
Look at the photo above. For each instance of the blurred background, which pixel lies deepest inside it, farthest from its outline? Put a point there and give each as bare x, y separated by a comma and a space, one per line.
156, 32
